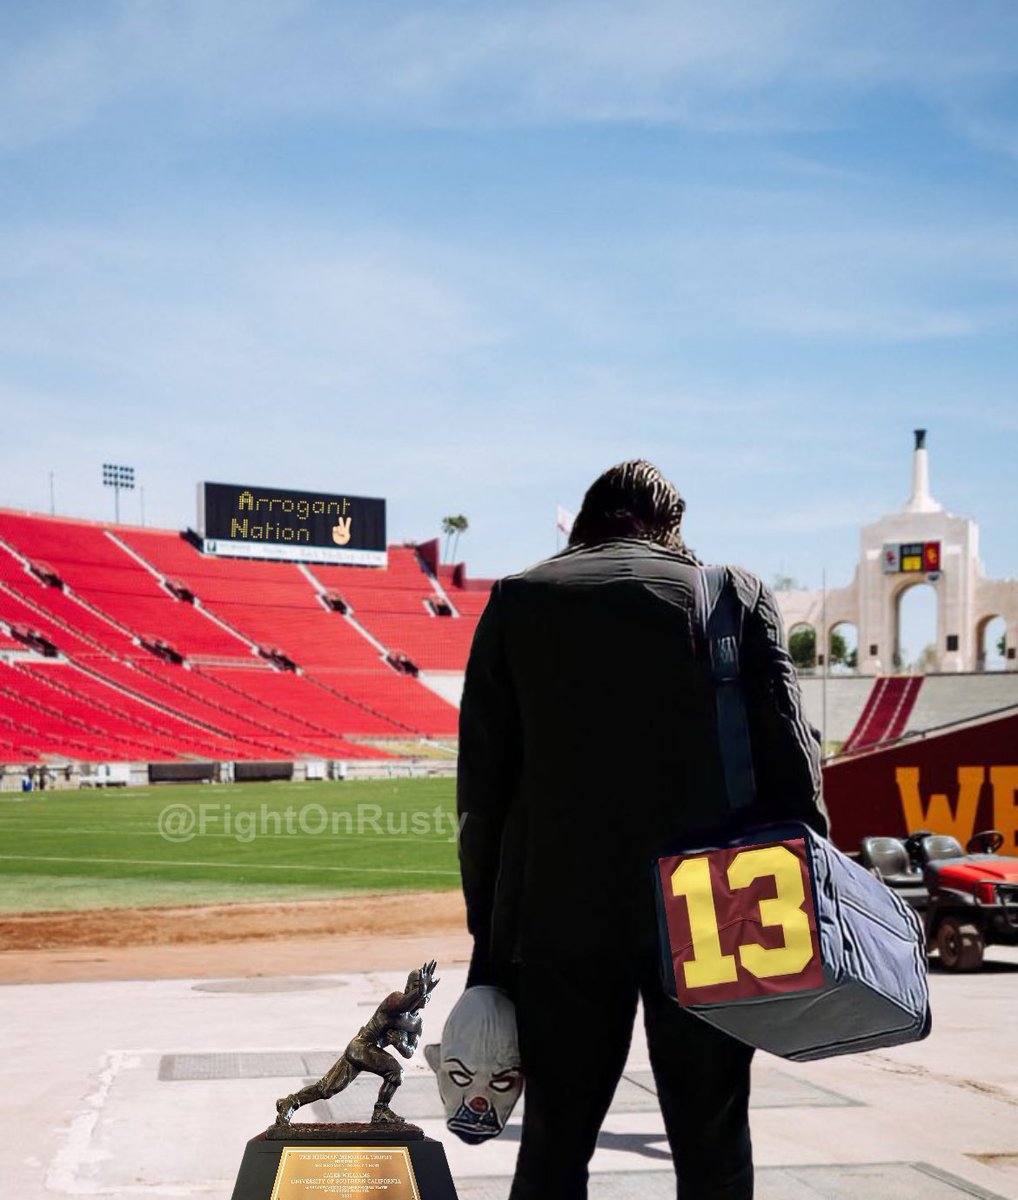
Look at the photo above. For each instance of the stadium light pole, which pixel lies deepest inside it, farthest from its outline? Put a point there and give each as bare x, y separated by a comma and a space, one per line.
118, 477
52, 504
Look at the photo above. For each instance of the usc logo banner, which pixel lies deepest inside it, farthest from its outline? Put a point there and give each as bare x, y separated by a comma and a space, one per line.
741, 922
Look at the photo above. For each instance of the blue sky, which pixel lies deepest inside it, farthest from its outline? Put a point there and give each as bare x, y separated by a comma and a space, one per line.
465, 256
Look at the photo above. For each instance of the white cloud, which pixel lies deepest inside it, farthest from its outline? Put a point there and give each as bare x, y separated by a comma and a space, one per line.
494, 346
214, 309
876, 279
709, 64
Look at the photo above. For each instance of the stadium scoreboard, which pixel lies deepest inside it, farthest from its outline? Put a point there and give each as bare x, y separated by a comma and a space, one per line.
907, 558
262, 522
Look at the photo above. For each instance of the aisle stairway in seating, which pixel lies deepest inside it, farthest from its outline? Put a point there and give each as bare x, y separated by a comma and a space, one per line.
278, 604
887, 711
393, 606
130, 643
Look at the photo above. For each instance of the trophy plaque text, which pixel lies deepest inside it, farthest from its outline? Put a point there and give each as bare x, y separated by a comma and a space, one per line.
345, 1173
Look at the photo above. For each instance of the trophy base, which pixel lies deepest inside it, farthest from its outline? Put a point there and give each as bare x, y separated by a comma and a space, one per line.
358, 1131
348, 1161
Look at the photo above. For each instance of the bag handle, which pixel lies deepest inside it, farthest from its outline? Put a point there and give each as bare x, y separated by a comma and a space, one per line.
718, 617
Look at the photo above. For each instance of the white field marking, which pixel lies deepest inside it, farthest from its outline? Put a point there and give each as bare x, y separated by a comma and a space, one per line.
73, 794
77, 1151
172, 862
437, 839
154, 833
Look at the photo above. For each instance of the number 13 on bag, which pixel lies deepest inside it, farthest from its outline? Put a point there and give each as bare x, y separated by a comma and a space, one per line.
741, 922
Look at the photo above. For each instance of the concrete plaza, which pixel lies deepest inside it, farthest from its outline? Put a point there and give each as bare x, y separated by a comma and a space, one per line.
147, 1089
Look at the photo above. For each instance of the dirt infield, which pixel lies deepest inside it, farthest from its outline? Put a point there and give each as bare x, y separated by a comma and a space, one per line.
347, 934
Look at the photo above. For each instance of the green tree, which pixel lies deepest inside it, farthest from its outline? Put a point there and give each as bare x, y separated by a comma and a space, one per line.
841, 656
802, 646
784, 583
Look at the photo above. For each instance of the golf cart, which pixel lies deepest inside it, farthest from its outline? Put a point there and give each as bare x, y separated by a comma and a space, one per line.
968, 899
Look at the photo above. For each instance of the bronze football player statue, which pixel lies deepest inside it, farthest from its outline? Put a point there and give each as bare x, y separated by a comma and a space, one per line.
396, 1023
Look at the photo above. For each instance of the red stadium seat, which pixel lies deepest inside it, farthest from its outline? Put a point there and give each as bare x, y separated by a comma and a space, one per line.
121, 605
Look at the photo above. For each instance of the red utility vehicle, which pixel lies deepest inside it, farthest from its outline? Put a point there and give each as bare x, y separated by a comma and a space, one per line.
968, 898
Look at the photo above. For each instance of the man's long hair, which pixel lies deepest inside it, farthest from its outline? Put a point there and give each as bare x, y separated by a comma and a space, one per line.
632, 499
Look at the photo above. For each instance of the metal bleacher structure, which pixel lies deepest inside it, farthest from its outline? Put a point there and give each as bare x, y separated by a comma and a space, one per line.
128, 644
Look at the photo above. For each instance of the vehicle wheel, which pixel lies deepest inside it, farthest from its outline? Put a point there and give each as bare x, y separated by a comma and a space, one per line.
960, 945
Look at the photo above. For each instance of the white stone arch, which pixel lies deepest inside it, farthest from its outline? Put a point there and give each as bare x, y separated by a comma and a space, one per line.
997, 598
898, 592
872, 600
841, 624
982, 642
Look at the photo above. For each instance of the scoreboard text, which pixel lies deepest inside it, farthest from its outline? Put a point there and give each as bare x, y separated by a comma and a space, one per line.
259, 522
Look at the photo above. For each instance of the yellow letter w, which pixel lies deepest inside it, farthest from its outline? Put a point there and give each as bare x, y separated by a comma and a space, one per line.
936, 814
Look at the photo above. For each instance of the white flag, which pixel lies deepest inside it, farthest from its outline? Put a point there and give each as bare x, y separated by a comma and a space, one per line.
564, 519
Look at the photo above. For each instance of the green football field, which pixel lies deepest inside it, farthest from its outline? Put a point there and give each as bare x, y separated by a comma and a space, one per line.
194, 844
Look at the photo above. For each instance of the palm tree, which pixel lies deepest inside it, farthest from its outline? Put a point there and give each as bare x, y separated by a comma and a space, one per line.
448, 528
462, 525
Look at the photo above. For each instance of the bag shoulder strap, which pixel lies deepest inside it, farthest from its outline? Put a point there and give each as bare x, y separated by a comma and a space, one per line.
719, 618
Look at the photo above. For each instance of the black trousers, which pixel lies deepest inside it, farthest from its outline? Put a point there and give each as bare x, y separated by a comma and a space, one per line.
575, 1023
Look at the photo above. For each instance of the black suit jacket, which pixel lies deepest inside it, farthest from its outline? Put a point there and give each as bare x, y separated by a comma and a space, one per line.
588, 742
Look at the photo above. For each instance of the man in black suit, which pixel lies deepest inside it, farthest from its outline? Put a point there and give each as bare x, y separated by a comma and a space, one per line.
588, 742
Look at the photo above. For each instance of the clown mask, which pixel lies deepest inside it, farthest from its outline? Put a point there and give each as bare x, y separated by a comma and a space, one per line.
478, 1064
